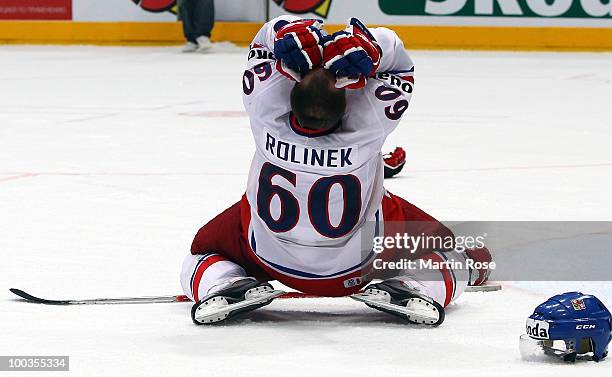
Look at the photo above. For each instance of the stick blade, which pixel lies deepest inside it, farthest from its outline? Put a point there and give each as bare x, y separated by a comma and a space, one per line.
487, 287
37, 300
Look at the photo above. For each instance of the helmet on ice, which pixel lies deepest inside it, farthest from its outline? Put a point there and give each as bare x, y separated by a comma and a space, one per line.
570, 325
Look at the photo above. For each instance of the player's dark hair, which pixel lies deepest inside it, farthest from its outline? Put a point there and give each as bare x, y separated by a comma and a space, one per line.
316, 102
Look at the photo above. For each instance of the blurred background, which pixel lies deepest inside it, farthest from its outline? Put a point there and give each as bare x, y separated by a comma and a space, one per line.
480, 24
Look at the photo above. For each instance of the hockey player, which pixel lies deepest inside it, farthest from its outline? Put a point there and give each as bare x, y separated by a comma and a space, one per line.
321, 107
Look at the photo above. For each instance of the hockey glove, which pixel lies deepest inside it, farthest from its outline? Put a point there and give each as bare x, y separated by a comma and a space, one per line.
352, 55
394, 162
298, 47
479, 276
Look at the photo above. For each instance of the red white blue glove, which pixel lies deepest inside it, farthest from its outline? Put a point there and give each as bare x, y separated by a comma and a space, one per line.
394, 162
352, 55
298, 47
479, 276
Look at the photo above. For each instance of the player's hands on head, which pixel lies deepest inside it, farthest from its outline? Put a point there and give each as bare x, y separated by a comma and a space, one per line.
352, 55
298, 47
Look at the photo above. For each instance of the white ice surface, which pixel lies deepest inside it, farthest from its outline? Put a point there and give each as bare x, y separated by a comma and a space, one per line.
111, 158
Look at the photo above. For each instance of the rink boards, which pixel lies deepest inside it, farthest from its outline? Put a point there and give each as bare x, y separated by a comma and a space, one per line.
422, 24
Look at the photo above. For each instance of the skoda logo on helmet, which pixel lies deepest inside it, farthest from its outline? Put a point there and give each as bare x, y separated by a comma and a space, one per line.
537, 329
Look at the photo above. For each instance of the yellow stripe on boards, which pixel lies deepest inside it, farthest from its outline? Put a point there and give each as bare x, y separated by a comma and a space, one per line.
241, 33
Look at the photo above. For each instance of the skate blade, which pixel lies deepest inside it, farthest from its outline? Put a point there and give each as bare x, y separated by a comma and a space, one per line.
417, 310
218, 308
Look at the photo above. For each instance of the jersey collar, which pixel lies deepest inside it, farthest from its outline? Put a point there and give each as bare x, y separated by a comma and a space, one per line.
295, 126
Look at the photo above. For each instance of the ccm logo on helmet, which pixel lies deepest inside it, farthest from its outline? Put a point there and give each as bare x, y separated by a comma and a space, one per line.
585, 327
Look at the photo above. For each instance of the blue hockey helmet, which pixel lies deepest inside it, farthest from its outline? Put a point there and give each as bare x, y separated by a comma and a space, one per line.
568, 325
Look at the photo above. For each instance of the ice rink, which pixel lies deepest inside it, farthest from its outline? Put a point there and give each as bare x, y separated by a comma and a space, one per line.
111, 159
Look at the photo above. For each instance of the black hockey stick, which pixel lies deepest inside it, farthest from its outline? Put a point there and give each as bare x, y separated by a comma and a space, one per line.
124, 300
101, 301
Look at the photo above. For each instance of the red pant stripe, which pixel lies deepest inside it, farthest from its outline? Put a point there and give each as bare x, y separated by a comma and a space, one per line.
446, 275
200, 271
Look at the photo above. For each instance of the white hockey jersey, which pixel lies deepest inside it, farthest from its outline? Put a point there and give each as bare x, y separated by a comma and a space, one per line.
313, 195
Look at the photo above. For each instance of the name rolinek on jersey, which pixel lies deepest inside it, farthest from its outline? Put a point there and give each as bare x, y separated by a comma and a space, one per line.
321, 107
303, 155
